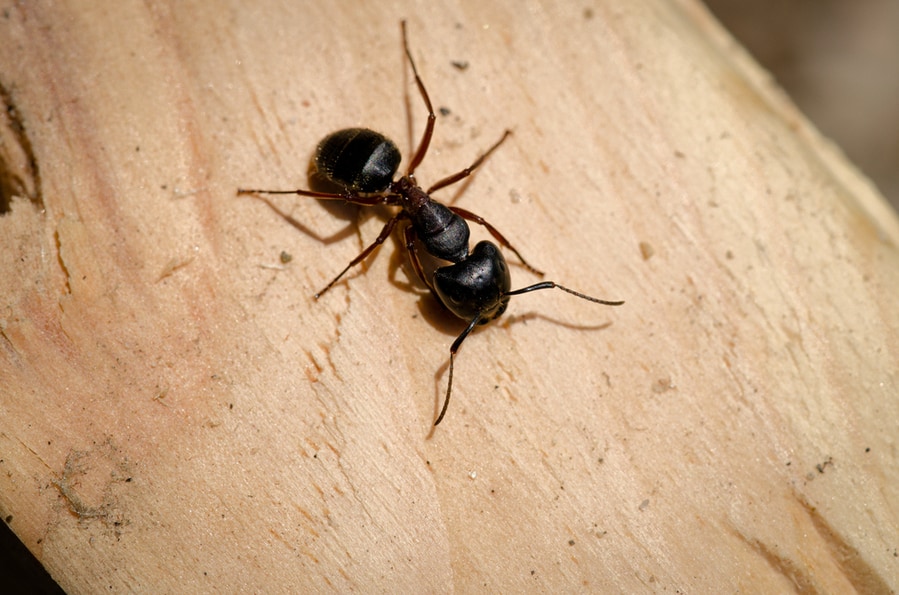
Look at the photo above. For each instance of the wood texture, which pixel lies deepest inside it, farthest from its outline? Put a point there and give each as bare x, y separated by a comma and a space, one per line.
178, 415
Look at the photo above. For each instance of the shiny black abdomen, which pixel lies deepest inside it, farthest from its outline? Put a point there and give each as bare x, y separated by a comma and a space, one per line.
358, 159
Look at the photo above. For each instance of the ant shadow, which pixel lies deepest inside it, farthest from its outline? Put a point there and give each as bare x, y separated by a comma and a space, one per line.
341, 211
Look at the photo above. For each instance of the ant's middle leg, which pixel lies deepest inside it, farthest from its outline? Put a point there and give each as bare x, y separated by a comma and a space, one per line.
385, 233
496, 234
467, 171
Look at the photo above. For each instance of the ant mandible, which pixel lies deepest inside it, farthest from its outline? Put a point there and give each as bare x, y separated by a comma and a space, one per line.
476, 285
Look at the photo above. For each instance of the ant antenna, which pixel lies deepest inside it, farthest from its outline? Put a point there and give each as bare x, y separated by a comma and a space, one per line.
480, 318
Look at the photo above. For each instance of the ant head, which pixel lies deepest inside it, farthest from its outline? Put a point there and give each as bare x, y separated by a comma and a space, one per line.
358, 159
477, 286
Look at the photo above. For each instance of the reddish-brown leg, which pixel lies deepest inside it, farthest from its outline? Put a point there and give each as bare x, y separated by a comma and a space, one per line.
422, 149
496, 234
365, 200
409, 235
385, 233
467, 171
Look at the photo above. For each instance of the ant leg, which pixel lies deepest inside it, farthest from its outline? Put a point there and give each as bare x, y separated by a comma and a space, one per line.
409, 234
496, 234
429, 128
553, 285
455, 347
368, 200
385, 233
467, 171
300, 192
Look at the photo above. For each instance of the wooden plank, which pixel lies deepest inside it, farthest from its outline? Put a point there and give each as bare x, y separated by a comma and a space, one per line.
178, 415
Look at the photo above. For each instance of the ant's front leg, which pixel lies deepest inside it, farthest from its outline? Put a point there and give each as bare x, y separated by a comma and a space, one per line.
496, 234
409, 236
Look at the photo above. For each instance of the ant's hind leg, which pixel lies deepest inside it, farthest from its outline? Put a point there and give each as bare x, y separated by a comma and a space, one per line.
432, 117
300, 192
385, 233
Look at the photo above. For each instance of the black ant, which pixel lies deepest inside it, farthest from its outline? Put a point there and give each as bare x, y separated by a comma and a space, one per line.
476, 285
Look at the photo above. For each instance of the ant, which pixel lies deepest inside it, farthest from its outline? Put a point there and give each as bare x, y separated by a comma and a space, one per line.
476, 285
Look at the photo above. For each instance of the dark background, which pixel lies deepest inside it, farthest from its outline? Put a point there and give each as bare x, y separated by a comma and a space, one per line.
838, 60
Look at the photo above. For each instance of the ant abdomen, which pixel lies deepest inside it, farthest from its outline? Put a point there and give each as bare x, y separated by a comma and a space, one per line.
476, 287
358, 159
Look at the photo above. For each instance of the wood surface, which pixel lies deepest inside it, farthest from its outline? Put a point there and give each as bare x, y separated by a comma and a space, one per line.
177, 414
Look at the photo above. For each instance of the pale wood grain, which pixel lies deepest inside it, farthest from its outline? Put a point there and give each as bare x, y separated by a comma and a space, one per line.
178, 415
